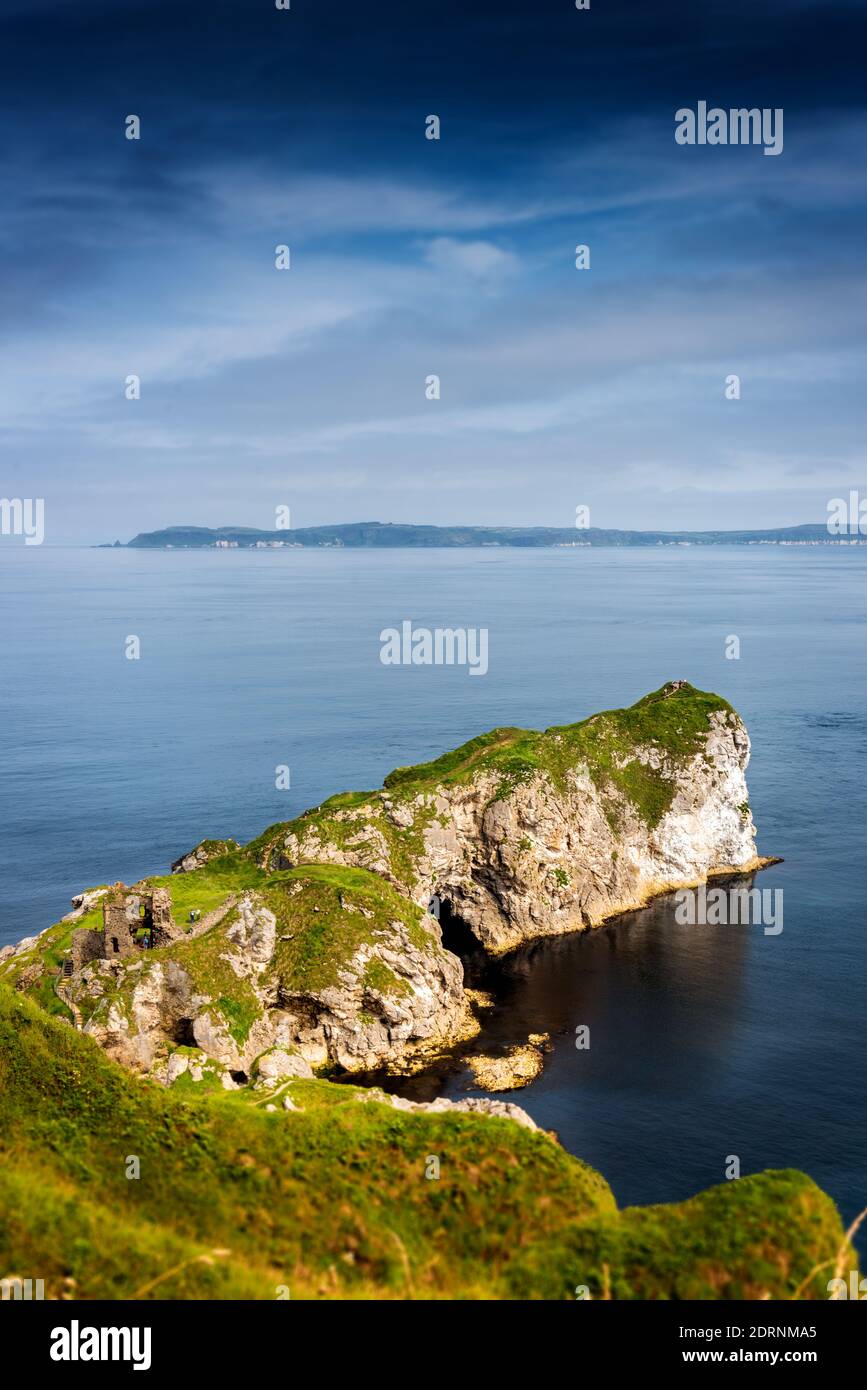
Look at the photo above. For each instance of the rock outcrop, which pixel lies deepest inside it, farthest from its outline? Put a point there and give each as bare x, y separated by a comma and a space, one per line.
473, 1105
202, 854
516, 1067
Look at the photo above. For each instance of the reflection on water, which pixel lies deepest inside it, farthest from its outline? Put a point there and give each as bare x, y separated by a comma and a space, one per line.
650, 1101
660, 1001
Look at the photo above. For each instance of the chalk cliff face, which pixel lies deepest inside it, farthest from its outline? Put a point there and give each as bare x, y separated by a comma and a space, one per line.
317, 947
534, 835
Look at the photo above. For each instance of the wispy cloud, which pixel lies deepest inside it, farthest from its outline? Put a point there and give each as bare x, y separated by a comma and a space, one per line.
477, 258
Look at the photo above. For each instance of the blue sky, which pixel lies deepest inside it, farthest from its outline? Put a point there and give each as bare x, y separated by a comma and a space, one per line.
412, 257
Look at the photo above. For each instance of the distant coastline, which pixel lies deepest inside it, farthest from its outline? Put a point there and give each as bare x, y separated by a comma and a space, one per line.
396, 535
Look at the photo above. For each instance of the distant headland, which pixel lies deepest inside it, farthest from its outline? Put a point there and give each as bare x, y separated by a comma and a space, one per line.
396, 535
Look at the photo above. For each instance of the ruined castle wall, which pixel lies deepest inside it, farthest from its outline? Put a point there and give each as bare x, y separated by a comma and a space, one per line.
124, 915
163, 926
87, 945
117, 923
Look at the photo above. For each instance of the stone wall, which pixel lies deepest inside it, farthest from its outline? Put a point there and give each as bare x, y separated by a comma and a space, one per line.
164, 930
120, 918
87, 945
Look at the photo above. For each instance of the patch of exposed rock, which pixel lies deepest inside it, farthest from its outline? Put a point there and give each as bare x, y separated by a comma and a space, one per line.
360, 1026
514, 1069
472, 1105
203, 853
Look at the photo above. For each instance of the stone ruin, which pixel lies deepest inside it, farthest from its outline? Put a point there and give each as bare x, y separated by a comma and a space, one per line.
132, 921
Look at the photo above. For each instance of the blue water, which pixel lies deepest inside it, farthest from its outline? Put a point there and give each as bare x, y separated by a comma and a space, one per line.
705, 1042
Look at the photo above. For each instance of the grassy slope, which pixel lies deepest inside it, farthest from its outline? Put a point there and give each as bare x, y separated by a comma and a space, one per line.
333, 1202
43, 959
336, 911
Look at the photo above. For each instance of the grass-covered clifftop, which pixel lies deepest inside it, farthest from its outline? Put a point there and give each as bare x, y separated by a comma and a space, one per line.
324, 913
670, 724
332, 1201
672, 721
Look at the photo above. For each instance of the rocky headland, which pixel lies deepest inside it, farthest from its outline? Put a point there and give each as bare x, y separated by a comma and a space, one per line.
333, 940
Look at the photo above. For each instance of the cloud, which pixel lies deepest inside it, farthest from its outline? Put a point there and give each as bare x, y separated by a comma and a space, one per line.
475, 258
308, 205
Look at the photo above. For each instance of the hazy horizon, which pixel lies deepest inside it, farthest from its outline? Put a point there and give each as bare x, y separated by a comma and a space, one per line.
127, 537
449, 525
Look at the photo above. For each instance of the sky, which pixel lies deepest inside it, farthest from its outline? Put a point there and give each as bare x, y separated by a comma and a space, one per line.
264, 388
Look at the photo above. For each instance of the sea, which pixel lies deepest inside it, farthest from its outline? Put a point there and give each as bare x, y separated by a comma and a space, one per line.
255, 689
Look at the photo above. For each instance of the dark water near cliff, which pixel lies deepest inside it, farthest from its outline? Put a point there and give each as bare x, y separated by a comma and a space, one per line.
704, 1041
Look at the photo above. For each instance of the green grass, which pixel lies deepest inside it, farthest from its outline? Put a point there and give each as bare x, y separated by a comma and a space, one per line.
207, 888
365, 836
332, 1201
329, 912
42, 963
211, 1079
380, 978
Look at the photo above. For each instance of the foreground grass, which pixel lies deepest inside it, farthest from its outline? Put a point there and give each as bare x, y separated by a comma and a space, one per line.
332, 1201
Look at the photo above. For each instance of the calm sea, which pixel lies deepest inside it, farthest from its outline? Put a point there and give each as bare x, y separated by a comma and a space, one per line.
705, 1042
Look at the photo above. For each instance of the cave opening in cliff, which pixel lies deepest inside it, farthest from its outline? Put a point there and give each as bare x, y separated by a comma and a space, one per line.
183, 1033
459, 938
240, 1078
